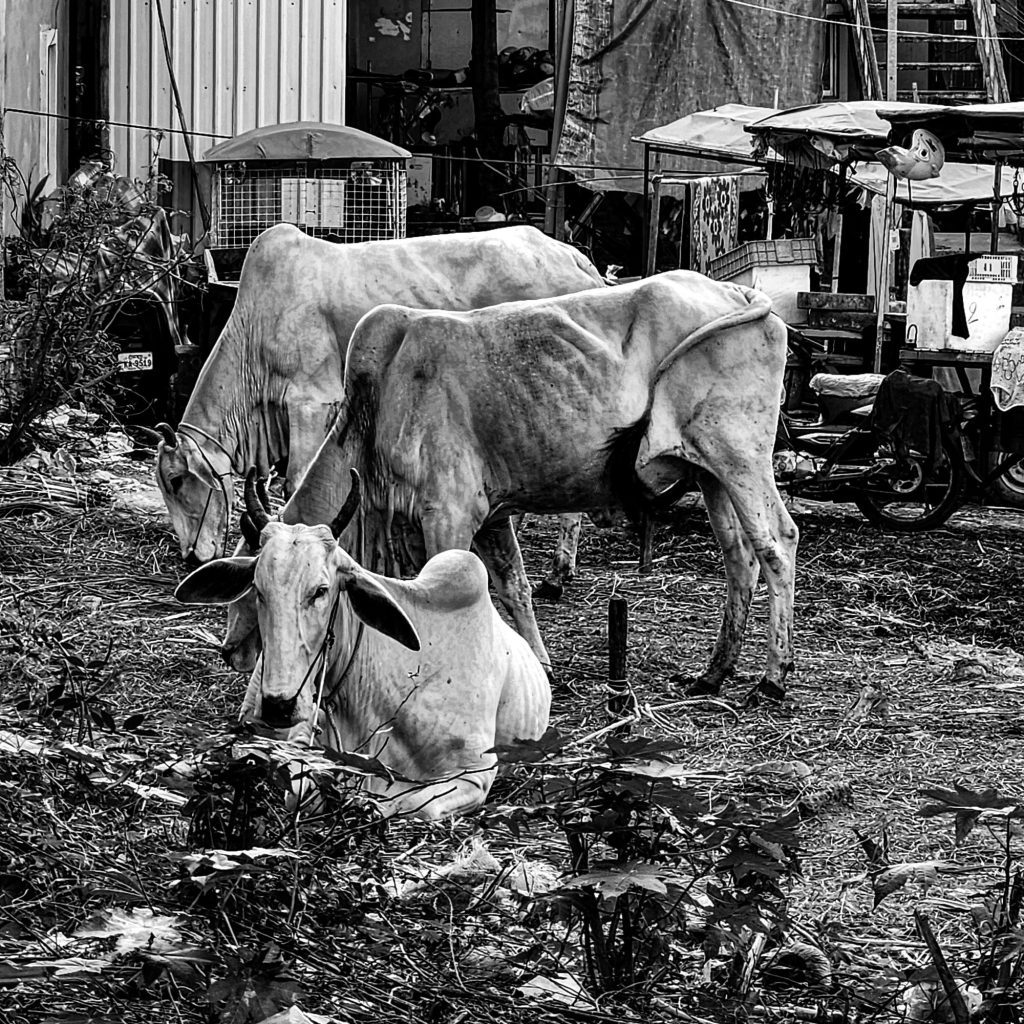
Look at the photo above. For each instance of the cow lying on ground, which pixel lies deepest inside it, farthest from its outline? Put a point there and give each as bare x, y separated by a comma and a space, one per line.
423, 675
582, 402
273, 383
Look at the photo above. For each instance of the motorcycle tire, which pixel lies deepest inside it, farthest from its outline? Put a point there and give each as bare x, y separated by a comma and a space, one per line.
947, 492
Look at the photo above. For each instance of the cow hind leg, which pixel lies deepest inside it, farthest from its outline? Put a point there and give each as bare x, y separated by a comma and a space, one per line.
741, 572
774, 536
563, 565
498, 548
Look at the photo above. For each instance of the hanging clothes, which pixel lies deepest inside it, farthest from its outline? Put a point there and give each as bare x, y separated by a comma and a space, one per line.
714, 219
878, 244
922, 237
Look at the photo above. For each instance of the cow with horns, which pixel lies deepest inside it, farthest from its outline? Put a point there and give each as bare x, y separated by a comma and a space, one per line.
583, 402
270, 389
422, 674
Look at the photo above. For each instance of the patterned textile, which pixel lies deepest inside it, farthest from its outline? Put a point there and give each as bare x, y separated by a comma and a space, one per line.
1008, 371
714, 218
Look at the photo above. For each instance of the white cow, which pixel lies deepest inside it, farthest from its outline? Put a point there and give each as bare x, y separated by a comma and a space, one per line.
433, 683
269, 392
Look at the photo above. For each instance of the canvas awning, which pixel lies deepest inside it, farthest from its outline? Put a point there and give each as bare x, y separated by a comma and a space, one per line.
715, 134
957, 185
821, 134
975, 131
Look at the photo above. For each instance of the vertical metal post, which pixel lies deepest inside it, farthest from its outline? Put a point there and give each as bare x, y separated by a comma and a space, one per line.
882, 296
997, 202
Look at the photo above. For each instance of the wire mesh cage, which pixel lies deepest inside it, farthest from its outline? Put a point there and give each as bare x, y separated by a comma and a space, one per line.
358, 201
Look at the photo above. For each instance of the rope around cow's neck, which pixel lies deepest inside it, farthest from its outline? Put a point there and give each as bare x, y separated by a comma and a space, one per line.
218, 476
209, 437
319, 665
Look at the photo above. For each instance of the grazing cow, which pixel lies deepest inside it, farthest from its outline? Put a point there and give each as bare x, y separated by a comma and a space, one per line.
423, 675
581, 402
273, 383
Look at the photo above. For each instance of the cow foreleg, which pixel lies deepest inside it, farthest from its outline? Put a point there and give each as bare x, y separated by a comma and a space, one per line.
308, 423
498, 548
774, 537
563, 565
741, 572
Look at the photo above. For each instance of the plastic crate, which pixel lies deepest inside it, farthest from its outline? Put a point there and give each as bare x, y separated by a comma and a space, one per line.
771, 253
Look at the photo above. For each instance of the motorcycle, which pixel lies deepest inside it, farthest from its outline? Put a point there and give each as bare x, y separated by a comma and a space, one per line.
838, 454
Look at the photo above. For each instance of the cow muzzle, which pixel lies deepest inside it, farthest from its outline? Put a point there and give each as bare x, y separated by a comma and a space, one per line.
278, 712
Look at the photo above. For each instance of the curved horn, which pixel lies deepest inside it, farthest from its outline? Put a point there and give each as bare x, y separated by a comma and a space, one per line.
249, 531
257, 513
348, 510
263, 494
169, 436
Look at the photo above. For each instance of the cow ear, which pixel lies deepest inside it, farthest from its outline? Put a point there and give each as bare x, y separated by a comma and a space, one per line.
221, 581
377, 608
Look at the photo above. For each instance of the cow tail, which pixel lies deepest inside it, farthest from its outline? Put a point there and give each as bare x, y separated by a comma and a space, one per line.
759, 308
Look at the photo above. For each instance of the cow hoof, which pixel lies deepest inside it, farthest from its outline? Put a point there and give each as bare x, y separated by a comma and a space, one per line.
696, 686
767, 690
548, 591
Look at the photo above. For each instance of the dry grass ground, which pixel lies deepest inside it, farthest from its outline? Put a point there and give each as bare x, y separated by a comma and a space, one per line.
931, 622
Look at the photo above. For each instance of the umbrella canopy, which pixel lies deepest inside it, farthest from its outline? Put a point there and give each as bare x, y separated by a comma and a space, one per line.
976, 131
304, 140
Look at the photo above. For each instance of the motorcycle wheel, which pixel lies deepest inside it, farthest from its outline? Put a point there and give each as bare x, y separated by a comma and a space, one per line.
925, 507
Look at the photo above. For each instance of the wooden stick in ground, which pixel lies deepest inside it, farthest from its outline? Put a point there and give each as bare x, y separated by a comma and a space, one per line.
618, 640
646, 542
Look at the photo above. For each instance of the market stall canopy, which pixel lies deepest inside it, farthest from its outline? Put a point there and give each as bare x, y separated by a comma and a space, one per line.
716, 134
719, 134
821, 134
304, 140
975, 131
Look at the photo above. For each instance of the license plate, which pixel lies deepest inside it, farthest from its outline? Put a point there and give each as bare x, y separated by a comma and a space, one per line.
132, 362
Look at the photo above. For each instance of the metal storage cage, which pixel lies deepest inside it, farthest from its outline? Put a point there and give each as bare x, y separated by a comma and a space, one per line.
333, 182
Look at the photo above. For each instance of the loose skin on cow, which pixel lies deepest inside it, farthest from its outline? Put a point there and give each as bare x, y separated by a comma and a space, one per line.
269, 391
422, 674
578, 403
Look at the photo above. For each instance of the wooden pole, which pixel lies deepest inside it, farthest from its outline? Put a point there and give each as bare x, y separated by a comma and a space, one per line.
618, 637
646, 542
652, 230
890, 51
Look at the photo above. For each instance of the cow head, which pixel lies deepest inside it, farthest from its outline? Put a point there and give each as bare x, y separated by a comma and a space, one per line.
307, 588
196, 487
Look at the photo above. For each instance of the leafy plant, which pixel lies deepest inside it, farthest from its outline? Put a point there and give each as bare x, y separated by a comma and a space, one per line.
80, 256
655, 861
997, 919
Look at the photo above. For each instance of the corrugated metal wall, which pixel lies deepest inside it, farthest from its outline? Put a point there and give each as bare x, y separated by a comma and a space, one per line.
239, 64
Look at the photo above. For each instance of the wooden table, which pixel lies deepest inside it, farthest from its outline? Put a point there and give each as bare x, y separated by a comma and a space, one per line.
916, 360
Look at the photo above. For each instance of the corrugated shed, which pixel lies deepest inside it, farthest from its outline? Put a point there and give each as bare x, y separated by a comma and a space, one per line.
239, 64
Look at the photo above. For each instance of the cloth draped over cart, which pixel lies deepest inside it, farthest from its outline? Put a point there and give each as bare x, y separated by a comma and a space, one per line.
915, 413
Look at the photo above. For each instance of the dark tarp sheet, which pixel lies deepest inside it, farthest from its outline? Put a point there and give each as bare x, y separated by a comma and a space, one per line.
637, 64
